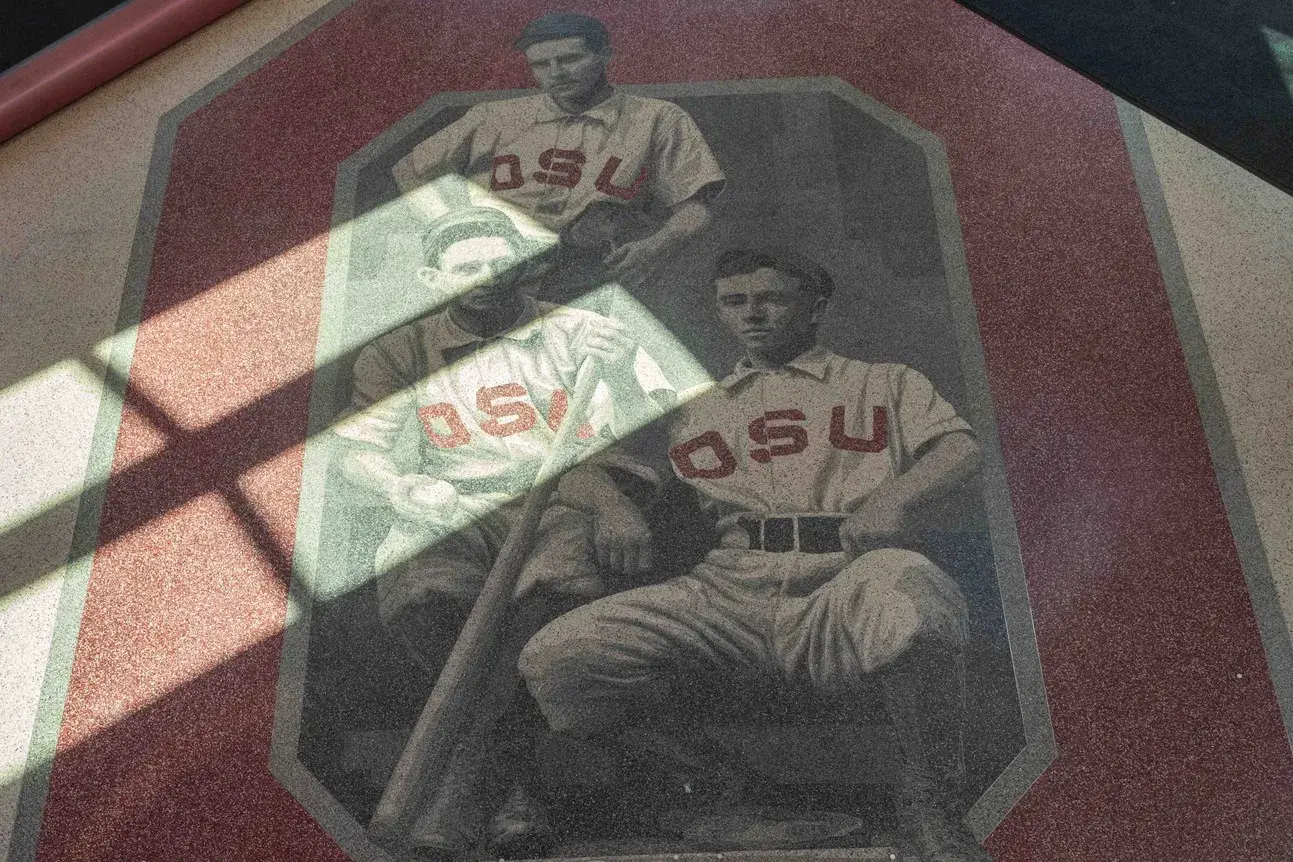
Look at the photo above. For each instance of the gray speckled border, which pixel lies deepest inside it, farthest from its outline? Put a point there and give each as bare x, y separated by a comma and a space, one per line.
1040, 748
1216, 422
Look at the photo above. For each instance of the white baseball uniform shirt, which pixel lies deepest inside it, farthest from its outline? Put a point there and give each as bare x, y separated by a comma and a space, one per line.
818, 435
488, 408
550, 165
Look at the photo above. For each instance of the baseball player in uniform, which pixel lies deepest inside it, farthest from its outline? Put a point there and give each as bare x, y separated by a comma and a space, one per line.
486, 383
580, 158
818, 466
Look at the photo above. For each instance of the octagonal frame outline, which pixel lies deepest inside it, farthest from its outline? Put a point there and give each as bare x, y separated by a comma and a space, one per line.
34, 781
1039, 748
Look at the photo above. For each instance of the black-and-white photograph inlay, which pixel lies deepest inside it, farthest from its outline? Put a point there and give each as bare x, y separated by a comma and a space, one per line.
660, 508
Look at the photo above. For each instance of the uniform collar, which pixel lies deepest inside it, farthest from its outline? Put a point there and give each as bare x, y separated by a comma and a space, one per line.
607, 112
448, 335
812, 362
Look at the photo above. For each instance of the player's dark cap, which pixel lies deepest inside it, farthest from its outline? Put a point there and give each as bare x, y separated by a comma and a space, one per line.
810, 275
563, 25
465, 223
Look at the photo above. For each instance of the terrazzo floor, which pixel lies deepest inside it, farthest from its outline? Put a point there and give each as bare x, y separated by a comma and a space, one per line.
72, 189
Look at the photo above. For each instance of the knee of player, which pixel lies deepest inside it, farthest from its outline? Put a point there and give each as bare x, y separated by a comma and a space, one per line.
554, 646
896, 584
535, 656
888, 568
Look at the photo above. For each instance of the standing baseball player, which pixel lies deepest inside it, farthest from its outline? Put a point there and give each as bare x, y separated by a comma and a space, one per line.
623, 179
819, 467
486, 383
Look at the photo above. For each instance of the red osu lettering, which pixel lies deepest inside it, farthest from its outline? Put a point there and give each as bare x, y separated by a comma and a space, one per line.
560, 167
520, 415
458, 433
557, 412
797, 435
682, 457
878, 440
606, 185
515, 179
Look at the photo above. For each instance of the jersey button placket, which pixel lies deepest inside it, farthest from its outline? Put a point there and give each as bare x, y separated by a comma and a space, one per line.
560, 199
777, 561
780, 468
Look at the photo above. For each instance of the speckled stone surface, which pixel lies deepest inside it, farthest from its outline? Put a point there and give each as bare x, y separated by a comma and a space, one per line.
1172, 746
1236, 238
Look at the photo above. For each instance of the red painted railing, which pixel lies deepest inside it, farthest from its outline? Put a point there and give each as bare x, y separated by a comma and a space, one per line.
97, 53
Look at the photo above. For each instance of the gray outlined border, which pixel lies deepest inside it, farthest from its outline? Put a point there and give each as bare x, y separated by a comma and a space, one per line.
1216, 421
35, 778
1039, 749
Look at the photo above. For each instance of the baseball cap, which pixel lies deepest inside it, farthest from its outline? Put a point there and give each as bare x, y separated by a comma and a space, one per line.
465, 223
470, 222
562, 25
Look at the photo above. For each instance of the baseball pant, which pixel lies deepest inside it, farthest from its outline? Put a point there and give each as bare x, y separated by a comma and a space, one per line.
419, 564
804, 618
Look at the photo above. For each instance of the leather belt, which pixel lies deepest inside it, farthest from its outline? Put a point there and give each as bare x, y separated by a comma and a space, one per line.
808, 534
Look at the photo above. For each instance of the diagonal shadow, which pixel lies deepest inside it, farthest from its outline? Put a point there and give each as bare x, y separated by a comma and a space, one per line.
159, 764
140, 785
193, 463
254, 525
242, 233
153, 789
1205, 67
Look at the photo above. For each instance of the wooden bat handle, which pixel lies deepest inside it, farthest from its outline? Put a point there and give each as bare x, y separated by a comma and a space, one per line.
426, 755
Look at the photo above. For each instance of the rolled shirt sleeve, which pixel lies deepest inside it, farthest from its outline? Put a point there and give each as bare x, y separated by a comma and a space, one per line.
684, 163
383, 398
923, 414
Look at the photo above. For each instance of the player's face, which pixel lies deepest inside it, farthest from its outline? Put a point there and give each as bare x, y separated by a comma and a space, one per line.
480, 272
769, 313
567, 69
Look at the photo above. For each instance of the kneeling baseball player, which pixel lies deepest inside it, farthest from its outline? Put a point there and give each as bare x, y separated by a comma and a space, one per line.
819, 466
487, 383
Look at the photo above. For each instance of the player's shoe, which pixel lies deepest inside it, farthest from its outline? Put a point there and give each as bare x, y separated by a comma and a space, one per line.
925, 697
450, 826
520, 828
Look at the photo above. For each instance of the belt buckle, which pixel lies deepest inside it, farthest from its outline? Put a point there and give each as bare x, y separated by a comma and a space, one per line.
780, 534
819, 534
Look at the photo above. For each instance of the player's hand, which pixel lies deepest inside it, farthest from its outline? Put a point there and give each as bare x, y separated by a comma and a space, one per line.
621, 540
633, 262
423, 498
880, 522
608, 341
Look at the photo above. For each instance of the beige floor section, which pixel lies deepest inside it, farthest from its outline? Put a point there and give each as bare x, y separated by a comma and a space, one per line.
1236, 238
72, 187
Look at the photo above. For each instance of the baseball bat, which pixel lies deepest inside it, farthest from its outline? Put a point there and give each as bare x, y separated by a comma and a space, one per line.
469, 667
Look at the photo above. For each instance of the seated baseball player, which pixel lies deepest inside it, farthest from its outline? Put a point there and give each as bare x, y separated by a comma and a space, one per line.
624, 179
819, 467
485, 384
